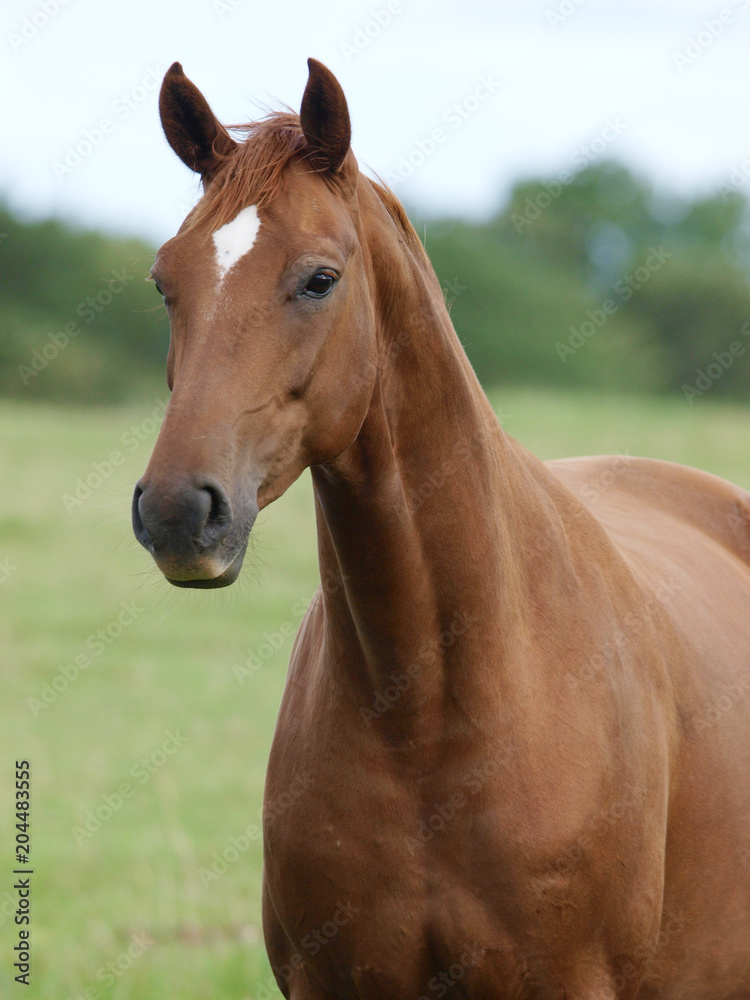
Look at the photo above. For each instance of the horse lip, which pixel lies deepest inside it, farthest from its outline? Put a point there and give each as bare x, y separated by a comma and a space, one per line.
224, 579
201, 569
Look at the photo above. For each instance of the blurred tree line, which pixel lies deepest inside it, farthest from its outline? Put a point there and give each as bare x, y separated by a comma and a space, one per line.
78, 321
602, 281
593, 281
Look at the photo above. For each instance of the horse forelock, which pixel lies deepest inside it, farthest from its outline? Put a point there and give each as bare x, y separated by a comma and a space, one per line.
251, 174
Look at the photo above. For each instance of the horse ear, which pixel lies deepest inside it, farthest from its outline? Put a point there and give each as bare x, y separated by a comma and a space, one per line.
191, 128
324, 117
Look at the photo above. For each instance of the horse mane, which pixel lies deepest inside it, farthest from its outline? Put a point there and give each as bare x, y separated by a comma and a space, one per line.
252, 174
398, 213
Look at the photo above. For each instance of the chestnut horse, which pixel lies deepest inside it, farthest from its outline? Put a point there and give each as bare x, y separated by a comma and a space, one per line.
513, 754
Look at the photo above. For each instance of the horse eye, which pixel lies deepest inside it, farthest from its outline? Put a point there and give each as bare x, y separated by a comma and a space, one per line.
320, 284
157, 286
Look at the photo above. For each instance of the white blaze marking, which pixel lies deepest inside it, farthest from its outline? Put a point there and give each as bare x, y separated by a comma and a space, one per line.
234, 239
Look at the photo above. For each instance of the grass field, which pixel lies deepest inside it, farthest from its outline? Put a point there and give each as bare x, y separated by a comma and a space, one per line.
158, 717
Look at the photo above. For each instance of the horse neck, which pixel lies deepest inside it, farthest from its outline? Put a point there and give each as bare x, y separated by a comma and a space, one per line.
415, 518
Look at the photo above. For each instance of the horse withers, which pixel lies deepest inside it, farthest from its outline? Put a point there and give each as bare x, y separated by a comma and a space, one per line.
513, 754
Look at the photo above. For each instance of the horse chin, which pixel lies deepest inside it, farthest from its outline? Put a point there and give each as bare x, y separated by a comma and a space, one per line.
224, 579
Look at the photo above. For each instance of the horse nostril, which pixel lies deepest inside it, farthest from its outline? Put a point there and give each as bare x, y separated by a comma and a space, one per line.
189, 516
139, 529
219, 518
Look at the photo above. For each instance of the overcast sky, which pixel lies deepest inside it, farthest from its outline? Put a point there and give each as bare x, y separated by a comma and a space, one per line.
500, 88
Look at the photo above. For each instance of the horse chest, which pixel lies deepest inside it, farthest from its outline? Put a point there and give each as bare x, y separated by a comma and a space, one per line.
379, 886
372, 896
369, 921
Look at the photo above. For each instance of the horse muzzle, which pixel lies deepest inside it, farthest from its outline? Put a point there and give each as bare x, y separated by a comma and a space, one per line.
196, 535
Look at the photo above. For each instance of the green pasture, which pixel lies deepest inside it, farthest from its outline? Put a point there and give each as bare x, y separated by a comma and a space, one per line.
127, 910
